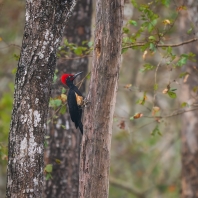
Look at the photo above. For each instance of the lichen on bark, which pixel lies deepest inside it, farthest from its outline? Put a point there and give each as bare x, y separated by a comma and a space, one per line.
44, 25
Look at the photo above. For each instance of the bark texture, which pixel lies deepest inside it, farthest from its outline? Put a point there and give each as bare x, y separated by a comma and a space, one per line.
44, 25
189, 120
95, 151
64, 144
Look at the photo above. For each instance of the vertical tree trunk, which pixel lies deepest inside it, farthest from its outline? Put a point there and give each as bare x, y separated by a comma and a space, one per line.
45, 21
189, 120
95, 153
64, 144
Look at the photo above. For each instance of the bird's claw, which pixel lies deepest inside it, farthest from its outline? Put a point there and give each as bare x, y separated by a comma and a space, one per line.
86, 102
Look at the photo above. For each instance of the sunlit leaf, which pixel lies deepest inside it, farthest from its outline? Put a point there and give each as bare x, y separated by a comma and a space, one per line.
132, 22
127, 86
184, 104
49, 168
63, 98
155, 110
166, 22
58, 161
136, 116
172, 94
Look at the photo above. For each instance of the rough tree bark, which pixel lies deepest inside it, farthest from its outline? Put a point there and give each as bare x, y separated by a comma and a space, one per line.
189, 120
44, 25
95, 151
64, 145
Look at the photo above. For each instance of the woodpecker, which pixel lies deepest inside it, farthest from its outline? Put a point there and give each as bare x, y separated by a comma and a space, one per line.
74, 99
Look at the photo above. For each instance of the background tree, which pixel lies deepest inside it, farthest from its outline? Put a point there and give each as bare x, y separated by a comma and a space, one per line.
44, 26
95, 153
189, 134
63, 150
145, 153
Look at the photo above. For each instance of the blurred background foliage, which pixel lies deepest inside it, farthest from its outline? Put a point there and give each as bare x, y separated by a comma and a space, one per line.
11, 32
145, 155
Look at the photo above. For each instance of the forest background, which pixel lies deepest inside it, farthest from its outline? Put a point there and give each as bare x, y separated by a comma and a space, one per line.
151, 101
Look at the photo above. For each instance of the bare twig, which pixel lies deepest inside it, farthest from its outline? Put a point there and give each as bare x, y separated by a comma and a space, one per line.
78, 57
163, 45
125, 186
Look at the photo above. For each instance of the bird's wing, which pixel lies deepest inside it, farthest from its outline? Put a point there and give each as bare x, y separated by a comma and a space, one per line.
74, 109
77, 90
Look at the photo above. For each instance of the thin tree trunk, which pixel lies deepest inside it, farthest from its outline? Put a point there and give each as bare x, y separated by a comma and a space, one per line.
95, 153
189, 120
64, 144
44, 25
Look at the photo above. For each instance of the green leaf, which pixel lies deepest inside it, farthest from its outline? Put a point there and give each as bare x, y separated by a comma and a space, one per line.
48, 176
63, 109
147, 67
134, 3
190, 30
78, 51
14, 71
49, 168
152, 38
63, 126
156, 131
63, 90
124, 50
195, 89
155, 87
184, 104
132, 22
125, 30
131, 118
55, 78
183, 74
55, 102
173, 89
16, 57
166, 2
152, 47
58, 161
90, 44
182, 61
172, 94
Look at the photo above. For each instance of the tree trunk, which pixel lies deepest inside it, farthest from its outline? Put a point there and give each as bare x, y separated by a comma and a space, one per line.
64, 145
189, 120
95, 151
44, 25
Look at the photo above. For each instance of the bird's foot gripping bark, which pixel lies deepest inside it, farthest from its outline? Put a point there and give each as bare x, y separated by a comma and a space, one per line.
86, 102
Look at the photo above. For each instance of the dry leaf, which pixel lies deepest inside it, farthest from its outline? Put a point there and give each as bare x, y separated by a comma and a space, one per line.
186, 78
155, 110
137, 115
63, 98
122, 124
127, 86
165, 91
166, 22
144, 54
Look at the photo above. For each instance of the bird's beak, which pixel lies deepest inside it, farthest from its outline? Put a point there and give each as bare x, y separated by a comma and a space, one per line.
77, 74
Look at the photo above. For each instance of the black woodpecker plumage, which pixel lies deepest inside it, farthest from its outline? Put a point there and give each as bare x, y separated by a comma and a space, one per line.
74, 99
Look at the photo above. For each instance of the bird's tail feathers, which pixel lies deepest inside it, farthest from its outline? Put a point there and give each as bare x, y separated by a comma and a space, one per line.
80, 125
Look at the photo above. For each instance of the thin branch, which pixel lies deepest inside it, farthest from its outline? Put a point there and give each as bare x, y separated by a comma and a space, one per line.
78, 57
163, 45
125, 186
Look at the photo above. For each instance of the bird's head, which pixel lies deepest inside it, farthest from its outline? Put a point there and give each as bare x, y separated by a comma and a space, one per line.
67, 79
